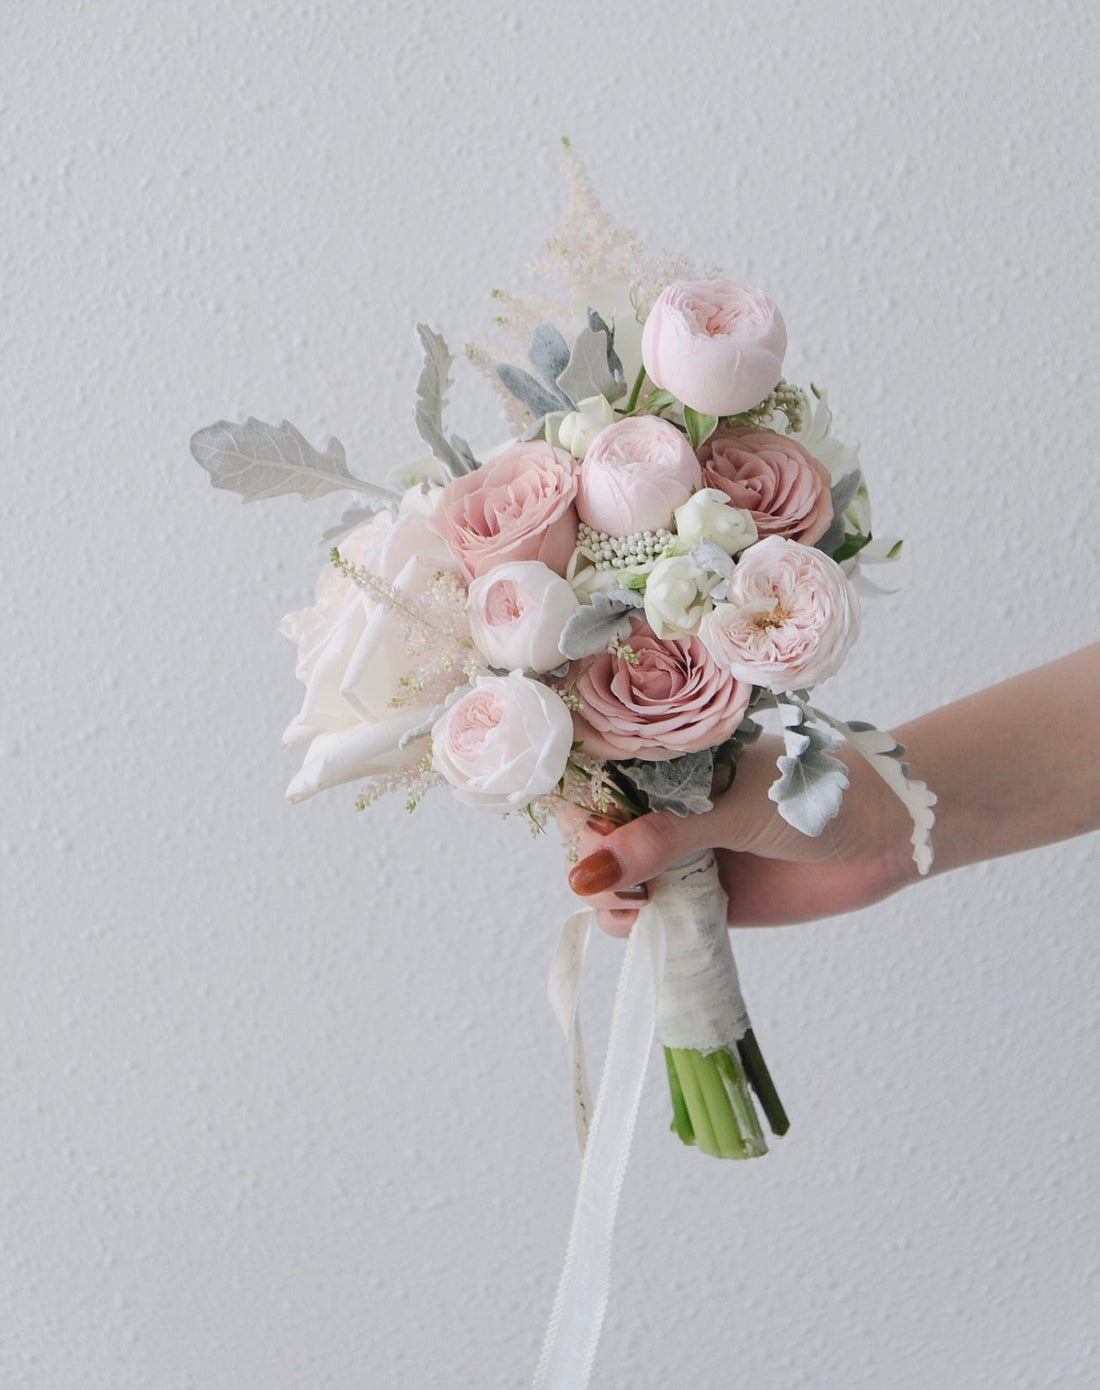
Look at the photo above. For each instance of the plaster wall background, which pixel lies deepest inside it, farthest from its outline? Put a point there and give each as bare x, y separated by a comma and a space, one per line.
283, 1104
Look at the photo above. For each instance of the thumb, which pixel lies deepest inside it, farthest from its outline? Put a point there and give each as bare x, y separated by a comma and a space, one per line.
640, 850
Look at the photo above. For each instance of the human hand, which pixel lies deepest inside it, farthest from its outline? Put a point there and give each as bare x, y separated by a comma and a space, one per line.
772, 873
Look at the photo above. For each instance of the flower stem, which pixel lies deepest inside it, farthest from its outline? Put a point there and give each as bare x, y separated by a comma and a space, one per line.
681, 1120
760, 1079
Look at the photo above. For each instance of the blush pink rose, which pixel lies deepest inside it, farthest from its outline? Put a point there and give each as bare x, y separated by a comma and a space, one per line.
789, 619
674, 699
717, 346
518, 506
786, 490
517, 613
504, 743
634, 476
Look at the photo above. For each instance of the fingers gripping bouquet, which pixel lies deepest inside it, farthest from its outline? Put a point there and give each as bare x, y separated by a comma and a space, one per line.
593, 617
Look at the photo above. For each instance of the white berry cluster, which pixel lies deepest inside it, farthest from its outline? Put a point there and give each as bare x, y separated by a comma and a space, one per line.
622, 552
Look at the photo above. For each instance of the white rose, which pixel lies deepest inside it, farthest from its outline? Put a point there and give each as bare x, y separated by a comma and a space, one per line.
708, 516
576, 429
677, 596
517, 612
352, 656
504, 743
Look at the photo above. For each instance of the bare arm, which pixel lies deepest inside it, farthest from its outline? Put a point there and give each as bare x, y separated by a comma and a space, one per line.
1014, 767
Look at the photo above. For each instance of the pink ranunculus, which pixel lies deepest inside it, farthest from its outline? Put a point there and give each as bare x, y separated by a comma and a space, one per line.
773, 477
504, 743
672, 699
517, 613
789, 618
634, 476
518, 506
717, 346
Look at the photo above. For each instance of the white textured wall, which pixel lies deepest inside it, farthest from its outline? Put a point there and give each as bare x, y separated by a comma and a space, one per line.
283, 1105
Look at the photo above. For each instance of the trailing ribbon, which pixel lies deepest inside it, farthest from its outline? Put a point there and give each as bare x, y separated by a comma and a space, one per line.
678, 966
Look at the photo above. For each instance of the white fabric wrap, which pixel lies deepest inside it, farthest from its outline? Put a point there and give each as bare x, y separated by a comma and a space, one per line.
700, 1003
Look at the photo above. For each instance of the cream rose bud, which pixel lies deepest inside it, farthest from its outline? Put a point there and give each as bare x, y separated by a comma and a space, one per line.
577, 429
789, 619
503, 744
707, 515
717, 346
634, 476
517, 613
677, 596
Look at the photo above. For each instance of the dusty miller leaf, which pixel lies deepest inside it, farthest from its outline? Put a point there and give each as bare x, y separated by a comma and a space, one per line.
589, 371
257, 460
548, 353
529, 392
431, 398
351, 520
885, 754
811, 784
680, 785
842, 492
593, 626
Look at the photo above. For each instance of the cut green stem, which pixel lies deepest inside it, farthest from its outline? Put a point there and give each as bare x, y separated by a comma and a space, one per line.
760, 1079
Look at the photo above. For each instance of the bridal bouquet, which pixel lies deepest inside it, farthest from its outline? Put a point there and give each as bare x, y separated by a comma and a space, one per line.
591, 618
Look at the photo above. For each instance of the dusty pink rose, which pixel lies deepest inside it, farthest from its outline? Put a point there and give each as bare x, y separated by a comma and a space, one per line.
634, 476
504, 743
715, 345
518, 506
674, 699
789, 619
784, 487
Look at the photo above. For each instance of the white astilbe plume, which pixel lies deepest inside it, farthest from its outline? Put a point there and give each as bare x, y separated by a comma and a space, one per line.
413, 781
435, 628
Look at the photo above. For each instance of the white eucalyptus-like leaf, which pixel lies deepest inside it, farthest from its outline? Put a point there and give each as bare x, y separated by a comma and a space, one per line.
593, 626
431, 398
885, 754
680, 785
257, 460
589, 371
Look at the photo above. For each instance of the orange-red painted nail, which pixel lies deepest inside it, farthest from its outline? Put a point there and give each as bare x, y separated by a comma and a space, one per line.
595, 874
601, 825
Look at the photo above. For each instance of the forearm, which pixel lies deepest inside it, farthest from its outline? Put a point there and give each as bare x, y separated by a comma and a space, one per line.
1015, 766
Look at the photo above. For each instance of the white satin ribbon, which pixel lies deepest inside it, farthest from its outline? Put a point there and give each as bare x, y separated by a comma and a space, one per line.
569, 1349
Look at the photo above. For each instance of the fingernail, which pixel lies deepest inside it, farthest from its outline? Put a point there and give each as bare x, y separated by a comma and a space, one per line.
601, 825
595, 874
639, 894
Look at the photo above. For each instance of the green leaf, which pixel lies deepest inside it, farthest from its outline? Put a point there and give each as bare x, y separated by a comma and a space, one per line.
851, 545
699, 427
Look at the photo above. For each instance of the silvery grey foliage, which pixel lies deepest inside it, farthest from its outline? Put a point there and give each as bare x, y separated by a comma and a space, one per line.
886, 755
590, 368
258, 460
431, 398
812, 782
680, 785
589, 371
593, 626
350, 520
629, 598
843, 490
539, 400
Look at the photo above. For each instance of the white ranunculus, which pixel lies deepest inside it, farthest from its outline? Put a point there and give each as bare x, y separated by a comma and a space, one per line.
677, 596
353, 656
575, 429
504, 743
517, 612
708, 516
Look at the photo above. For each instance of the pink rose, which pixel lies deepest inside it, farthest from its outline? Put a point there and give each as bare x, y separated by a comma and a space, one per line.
504, 743
789, 618
634, 476
784, 487
517, 613
716, 346
674, 699
518, 506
